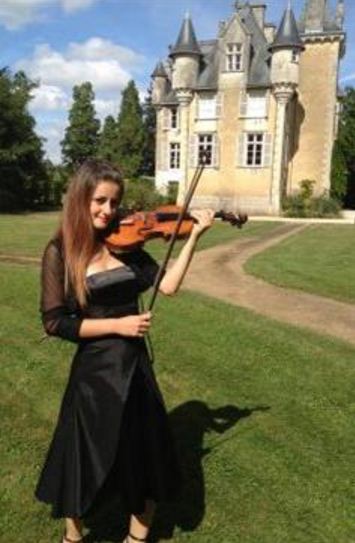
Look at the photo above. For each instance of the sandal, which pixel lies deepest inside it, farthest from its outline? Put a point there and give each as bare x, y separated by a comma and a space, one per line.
67, 539
135, 538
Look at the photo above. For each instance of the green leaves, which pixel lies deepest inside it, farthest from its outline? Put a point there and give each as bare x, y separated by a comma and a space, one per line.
82, 134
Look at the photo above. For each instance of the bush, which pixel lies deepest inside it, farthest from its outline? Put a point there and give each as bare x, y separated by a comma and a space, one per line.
304, 204
141, 194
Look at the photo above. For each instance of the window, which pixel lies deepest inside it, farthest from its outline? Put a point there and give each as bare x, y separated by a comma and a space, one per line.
174, 156
170, 118
205, 149
207, 107
254, 149
295, 56
234, 57
174, 117
253, 104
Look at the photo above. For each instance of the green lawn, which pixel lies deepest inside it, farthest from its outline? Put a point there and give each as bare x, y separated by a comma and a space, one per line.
319, 260
263, 414
28, 234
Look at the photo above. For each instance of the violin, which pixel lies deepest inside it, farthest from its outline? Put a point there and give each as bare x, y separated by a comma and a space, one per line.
134, 229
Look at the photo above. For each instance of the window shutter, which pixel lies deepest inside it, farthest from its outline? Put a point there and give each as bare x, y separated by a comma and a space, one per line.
164, 158
178, 111
219, 105
166, 118
267, 150
193, 151
215, 151
243, 109
241, 150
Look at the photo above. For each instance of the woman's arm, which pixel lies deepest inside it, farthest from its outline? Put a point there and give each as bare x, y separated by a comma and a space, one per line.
61, 319
174, 276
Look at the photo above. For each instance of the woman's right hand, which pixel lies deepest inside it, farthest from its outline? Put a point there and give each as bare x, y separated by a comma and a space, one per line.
133, 325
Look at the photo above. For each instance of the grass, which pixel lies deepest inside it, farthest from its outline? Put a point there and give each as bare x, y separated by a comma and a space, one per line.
263, 414
28, 234
320, 260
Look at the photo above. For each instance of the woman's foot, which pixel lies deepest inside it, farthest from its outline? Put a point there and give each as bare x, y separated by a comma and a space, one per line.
133, 539
67, 539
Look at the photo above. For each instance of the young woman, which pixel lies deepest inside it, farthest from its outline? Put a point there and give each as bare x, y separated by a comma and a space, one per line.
112, 435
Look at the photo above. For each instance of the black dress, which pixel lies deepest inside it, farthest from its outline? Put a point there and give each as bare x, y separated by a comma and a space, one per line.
112, 432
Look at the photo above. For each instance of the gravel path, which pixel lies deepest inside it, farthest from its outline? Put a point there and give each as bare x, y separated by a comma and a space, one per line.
219, 272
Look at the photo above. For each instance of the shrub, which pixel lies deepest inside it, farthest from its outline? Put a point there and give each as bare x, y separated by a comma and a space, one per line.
304, 204
141, 194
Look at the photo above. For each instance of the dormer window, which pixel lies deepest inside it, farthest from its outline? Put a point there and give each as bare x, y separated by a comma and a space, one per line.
234, 54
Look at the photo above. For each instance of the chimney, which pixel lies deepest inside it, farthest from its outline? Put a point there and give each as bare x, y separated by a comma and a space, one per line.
259, 13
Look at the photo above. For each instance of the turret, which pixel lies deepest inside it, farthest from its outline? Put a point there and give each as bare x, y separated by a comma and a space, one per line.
340, 13
160, 81
314, 15
186, 56
285, 51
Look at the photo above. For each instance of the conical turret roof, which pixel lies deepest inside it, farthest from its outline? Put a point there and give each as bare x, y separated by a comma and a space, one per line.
186, 43
287, 34
159, 71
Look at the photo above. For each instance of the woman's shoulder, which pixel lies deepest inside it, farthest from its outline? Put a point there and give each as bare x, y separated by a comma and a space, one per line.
54, 248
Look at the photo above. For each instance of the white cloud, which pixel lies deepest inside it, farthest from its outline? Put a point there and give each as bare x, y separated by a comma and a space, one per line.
17, 13
347, 78
49, 98
73, 5
82, 62
109, 67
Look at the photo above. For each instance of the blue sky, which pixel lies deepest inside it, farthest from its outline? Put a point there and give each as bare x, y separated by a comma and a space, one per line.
63, 42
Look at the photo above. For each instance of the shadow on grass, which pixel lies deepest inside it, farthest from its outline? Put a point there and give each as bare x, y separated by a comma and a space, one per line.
190, 422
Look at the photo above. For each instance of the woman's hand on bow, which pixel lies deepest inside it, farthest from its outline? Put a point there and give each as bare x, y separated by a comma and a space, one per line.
133, 325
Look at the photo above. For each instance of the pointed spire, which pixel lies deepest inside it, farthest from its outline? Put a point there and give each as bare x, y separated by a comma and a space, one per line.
340, 12
159, 71
287, 34
186, 43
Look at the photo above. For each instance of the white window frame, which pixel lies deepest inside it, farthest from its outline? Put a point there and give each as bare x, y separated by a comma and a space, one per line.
234, 57
246, 104
174, 155
208, 144
207, 107
254, 147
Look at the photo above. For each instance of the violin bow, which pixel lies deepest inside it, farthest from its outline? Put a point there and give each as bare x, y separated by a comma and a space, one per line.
196, 177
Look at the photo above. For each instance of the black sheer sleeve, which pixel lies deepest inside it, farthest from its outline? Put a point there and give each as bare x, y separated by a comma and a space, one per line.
145, 268
60, 313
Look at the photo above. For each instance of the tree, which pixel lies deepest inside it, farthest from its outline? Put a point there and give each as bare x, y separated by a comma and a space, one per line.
108, 140
346, 142
339, 173
130, 133
149, 122
82, 134
23, 175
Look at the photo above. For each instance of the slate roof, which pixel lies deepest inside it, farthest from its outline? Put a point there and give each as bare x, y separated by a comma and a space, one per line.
287, 34
159, 71
186, 42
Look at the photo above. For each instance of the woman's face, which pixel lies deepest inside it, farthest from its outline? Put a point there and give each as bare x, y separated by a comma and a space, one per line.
104, 204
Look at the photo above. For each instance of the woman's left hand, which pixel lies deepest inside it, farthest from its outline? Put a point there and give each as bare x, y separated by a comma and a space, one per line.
204, 218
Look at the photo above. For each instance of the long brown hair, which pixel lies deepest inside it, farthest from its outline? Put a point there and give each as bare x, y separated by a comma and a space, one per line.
80, 241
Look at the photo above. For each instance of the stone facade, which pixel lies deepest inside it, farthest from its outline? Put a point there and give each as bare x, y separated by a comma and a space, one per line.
261, 103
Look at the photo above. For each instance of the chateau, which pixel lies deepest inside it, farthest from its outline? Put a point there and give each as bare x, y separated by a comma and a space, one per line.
262, 101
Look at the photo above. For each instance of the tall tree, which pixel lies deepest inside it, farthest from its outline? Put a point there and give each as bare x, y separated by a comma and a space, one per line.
22, 171
149, 122
82, 134
347, 140
130, 132
108, 140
